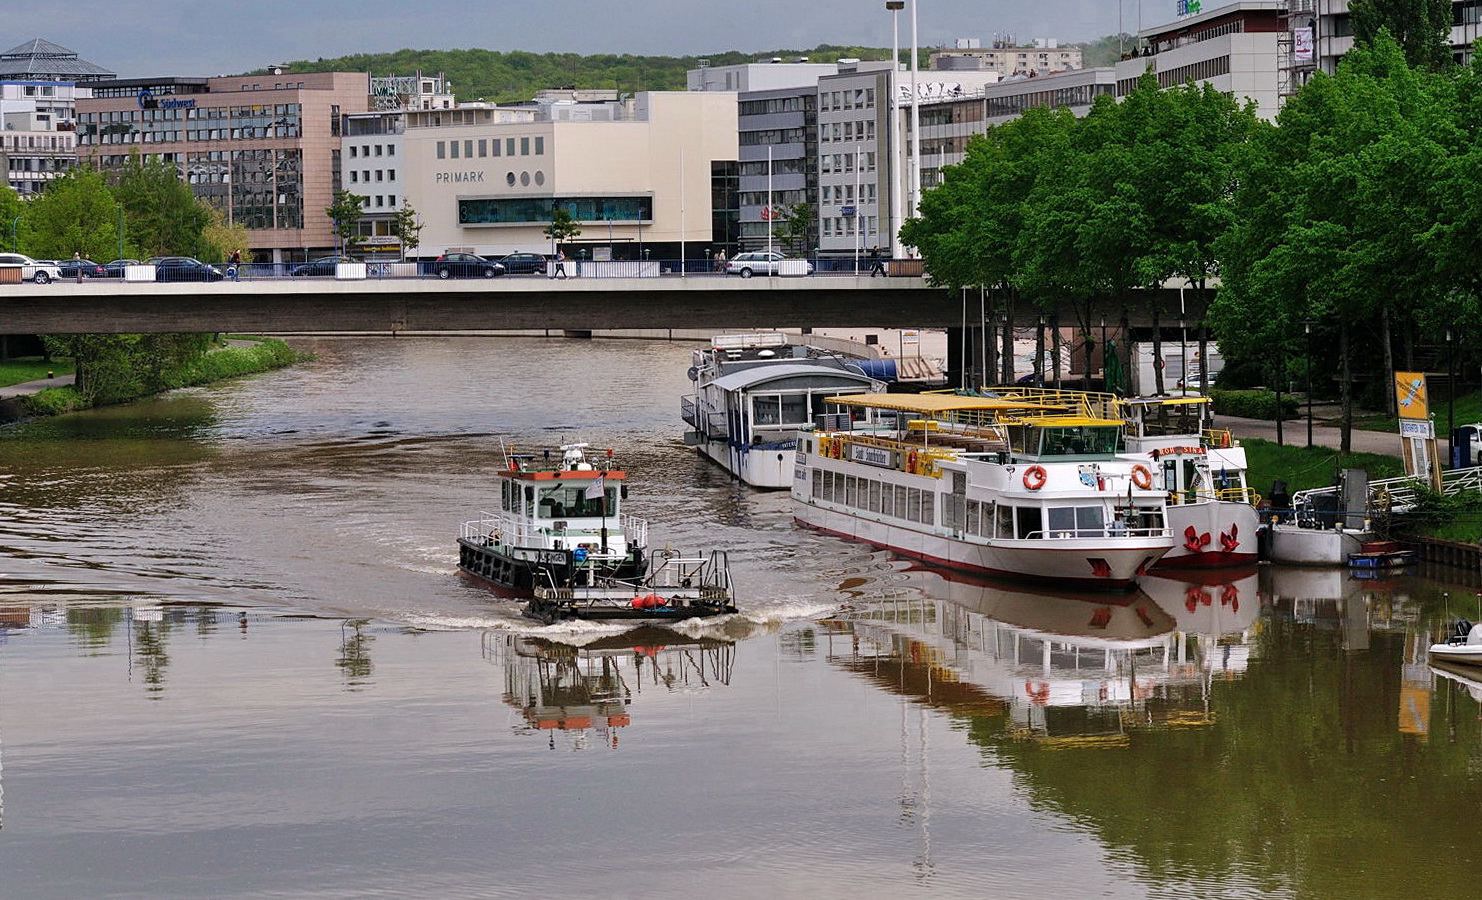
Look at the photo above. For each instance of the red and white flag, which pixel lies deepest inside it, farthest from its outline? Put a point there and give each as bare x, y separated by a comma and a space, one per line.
596, 489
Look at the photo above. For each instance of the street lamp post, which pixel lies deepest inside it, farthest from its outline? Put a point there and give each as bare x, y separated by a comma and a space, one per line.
1307, 331
1450, 387
1104, 386
15, 241
915, 114
893, 132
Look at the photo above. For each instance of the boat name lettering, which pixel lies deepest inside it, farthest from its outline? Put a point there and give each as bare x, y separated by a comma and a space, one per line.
460, 177
871, 456
1178, 451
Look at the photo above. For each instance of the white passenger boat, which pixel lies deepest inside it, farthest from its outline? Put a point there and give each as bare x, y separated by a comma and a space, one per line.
1002, 487
1211, 508
560, 523
752, 392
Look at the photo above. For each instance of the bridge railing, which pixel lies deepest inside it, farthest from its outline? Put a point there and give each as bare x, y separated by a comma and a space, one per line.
815, 267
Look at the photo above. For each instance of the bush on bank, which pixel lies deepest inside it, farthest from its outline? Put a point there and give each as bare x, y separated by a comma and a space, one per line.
189, 371
1253, 404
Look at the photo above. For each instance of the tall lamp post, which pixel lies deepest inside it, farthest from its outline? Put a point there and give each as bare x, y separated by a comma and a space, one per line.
893, 132
915, 114
1104, 386
1450, 387
1307, 331
15, 241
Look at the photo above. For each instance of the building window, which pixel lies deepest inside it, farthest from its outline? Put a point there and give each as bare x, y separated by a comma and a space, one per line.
354, 176
441, 152
379, 174
390, 199
528, 210
509, 148
378, 149
483, 148
524, 179
380, 201
390, 149
495, 142
524, 146
390, 174
352, 151
468, 149
539, 179
540, 146
453, 147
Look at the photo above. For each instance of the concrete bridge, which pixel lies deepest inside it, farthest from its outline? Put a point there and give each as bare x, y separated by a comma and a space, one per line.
511, 303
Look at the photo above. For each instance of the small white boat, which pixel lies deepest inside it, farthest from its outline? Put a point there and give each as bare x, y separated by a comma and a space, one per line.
1465, 650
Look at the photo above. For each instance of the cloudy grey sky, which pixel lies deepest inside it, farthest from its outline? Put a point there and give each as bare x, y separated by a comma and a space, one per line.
190, 37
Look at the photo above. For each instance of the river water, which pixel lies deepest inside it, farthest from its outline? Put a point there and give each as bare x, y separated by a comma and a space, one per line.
236, 660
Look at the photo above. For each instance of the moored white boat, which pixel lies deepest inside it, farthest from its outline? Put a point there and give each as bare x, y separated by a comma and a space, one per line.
1464, 650
999, 487
1211, 509
752, 392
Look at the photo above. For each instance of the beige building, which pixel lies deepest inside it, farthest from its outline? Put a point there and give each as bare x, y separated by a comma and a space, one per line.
265, 149
1041, 58
640, 176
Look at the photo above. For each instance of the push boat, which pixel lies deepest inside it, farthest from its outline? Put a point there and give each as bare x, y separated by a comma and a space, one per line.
751, 394
1211, 509
559, 523
1004, 487
676, 587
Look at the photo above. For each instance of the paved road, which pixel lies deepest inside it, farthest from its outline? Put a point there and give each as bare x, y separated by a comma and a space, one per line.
1295, 433
27, 388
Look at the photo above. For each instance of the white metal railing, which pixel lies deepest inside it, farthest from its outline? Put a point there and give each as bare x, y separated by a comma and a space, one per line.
502, 528
1400, 493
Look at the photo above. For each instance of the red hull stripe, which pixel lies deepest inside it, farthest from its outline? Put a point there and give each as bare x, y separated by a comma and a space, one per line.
1219, 560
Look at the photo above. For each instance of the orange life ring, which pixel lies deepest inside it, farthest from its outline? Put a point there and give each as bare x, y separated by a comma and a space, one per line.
1142, 476
1035, 477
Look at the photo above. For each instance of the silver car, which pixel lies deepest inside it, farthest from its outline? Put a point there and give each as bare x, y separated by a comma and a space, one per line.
760, 262
40, 271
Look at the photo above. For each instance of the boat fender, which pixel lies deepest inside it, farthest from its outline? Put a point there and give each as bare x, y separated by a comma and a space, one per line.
911, 463
1142, 476
1035, 477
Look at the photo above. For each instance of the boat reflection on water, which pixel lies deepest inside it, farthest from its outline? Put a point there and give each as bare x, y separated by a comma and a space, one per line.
1065, 668
587, 690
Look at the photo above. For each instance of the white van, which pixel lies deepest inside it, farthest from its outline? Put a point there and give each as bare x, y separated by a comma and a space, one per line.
31, 270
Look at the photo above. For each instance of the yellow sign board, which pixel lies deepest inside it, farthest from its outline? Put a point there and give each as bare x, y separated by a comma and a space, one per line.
1411, 398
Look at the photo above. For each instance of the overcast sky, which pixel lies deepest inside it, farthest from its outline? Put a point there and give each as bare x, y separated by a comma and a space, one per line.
189, 37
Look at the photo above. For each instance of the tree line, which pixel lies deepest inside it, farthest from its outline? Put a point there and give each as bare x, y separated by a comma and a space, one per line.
1341, 236
144, 209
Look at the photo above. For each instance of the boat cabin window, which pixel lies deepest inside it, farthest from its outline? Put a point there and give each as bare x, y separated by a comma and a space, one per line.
1074, 440
1082, 520
569, 501
780, 409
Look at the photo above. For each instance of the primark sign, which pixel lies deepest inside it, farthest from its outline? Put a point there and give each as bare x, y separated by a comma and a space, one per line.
459, 177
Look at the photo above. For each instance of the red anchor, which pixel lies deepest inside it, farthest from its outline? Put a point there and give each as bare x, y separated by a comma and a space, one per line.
1232, 540
1192, 542
1230, 596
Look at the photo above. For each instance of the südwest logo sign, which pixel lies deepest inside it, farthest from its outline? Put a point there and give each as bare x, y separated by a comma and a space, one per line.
460, 177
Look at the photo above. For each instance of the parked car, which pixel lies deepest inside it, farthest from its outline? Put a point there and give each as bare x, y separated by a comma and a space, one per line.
116, 268
324, 265
39, 271
523, 263
758, 262
90, 269
184, 268
1193, 379
465, 265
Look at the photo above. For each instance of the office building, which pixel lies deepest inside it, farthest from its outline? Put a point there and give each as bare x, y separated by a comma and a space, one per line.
40, 83
644, 177
1042, 57
1332, 25
763, 76
264, 149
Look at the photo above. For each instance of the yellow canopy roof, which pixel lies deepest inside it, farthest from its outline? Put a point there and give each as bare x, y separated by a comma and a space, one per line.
1167, 401
1065, 421
927, 404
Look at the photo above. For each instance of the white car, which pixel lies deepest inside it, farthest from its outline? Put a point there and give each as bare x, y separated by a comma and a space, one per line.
31, 270
763, 262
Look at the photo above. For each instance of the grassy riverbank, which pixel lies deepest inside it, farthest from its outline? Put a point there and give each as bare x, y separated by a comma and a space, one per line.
19, 370
1308, 467
219, 364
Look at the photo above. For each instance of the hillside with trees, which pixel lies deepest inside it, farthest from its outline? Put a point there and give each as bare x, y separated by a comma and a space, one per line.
505, 76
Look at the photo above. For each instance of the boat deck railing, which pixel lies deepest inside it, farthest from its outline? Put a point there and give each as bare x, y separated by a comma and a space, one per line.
673, 573
1051, 534
502, 528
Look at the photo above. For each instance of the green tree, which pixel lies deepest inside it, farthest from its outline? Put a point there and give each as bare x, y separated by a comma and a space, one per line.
407, 228
77, 213
1333, 211
792, 228
163, 215
345, 213
219, 240
563, 227
12, 212
1421, 27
